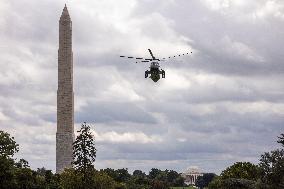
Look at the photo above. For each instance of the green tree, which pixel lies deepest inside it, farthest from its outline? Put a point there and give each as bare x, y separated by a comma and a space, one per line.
47, 179
241, 175
71, 179
119, 175
272, 169
139, 180
7, 173
203, 181
55, 182
241, 170
22, 164
200, 182
123, 175
174, 178
281, 140
179, 182
158, 184
8, 147
163, 176
154, 173
232, 183
139, 173
84, 153
110, 172
269, 174
102, 181
84, 150
215, 183
25, 177
18, 175
135, 183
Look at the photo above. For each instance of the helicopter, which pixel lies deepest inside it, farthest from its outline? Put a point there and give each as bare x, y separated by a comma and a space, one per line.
155, 72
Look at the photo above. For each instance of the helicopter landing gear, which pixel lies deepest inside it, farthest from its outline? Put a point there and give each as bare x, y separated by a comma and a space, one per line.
163, 74
146, 73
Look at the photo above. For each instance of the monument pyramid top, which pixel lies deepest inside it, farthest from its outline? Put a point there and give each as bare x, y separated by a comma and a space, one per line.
65, 13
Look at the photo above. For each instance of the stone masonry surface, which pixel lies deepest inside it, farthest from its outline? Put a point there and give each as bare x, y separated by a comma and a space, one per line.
65, 95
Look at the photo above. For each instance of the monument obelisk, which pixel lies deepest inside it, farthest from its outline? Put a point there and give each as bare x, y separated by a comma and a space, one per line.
65, 95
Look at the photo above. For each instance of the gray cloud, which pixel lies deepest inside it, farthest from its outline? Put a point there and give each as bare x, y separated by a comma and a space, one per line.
98, 112
223, 103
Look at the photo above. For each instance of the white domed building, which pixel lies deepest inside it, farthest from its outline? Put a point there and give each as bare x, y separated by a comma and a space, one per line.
191, 175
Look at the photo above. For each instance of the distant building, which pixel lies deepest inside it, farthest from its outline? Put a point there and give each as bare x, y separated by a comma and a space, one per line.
191, 175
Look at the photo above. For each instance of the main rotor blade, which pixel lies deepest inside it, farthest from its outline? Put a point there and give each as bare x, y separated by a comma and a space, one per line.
153, 57
163, 59
138, 58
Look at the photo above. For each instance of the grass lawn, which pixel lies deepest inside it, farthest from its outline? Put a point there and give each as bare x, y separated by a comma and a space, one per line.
183, 188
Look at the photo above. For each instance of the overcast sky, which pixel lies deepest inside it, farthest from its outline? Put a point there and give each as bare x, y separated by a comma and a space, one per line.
222, 104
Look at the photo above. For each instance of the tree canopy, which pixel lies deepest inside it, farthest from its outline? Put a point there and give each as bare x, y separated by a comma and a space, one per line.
17, 174
281, 140
203, 181
8, 146
84, 150
268, 174
272, 169
241, 170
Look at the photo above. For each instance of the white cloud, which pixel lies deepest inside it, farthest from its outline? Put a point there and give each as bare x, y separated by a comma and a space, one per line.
217, 4
226, 6
182, 139
122, 91
257, 107
243, 10
116, 24
176, 80
4, 6
3, 117
274, 8
208, 103
240, 49
127, 137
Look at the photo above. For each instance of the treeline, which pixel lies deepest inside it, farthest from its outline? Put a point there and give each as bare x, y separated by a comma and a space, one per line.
268, 174
121, 179
18, 174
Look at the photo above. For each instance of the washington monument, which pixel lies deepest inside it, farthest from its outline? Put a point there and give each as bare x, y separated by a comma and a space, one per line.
65, 95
